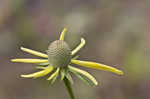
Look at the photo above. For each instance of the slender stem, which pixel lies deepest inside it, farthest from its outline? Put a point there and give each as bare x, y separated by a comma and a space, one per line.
69, 88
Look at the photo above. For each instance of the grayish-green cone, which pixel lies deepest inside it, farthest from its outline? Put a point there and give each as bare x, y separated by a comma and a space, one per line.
59, 54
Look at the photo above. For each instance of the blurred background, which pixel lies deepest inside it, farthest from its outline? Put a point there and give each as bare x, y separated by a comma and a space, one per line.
117, 34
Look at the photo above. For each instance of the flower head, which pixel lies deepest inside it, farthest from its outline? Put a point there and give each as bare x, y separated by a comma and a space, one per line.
58, 59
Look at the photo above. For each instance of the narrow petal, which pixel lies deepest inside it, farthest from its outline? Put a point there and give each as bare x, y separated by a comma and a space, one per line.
76, 57
36, 53
62, 36
39, 67
99, 66
29, 60
83, 78
40, 73
78, 47
43, 64
54, 74
84, 73
69, 77
62, 74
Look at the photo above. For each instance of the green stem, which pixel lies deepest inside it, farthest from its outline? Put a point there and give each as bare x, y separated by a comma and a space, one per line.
68, 87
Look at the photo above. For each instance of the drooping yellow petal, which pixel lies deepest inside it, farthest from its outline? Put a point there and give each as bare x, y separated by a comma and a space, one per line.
40, 73
62, 74
76, 57
29, 60
39, 67
78, 47
99, 66
84, 73
54, 74
36, 53
62, 36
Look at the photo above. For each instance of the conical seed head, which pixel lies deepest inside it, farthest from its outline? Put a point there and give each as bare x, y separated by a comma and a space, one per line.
59, 54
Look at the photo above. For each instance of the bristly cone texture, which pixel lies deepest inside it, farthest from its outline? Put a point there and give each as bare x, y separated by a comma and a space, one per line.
59, 53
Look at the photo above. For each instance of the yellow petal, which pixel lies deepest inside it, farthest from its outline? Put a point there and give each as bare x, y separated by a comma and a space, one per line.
39, 67
99, 66
36, 53
39, 74
62, 74
62, 36
76, 57
54, 74
29, 60
78, 47
84, 73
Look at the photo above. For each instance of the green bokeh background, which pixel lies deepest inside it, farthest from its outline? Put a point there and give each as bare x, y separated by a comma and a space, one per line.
117, 34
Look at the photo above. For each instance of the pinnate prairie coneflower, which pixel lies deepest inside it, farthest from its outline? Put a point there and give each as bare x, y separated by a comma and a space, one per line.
58, 61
